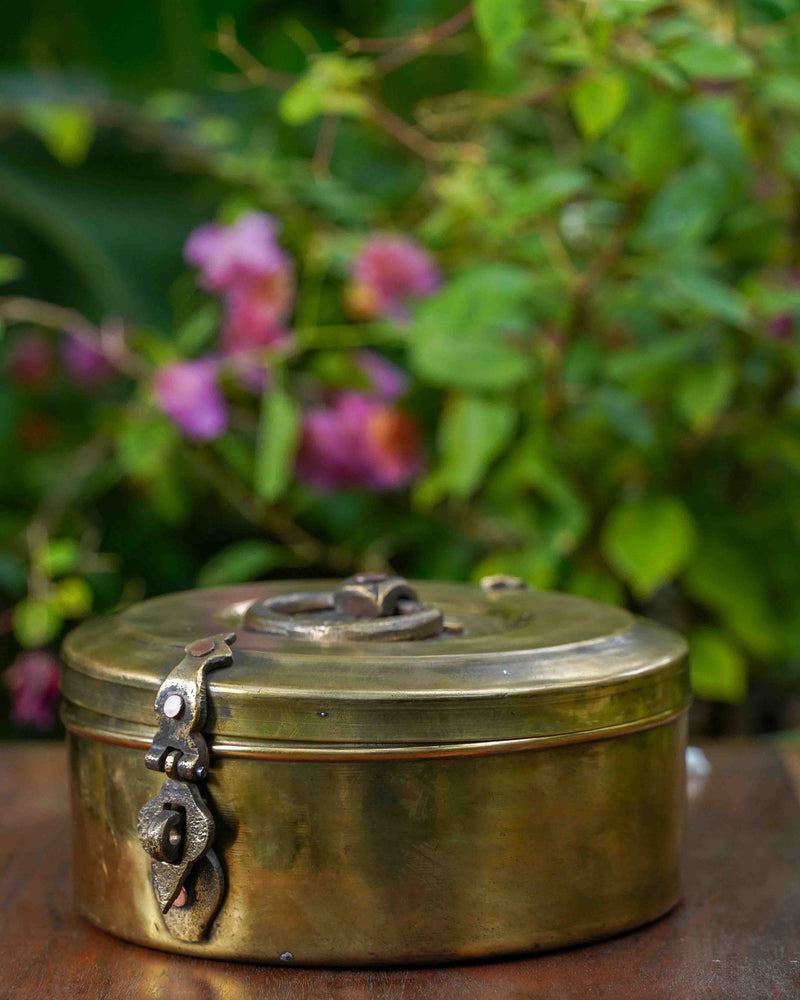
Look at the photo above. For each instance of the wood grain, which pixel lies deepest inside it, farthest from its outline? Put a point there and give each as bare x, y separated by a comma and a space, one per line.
736, 936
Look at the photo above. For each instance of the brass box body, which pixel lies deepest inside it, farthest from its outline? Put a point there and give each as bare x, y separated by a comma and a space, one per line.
346, 852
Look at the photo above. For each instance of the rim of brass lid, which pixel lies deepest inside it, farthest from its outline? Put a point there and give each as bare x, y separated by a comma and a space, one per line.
528, 663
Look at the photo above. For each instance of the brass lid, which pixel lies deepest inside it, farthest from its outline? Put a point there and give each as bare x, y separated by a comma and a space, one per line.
450, 664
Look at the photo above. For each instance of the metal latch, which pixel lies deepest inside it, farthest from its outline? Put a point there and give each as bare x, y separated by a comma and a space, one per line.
176, 827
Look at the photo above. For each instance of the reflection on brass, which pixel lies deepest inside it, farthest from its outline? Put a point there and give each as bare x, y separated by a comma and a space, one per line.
516, 786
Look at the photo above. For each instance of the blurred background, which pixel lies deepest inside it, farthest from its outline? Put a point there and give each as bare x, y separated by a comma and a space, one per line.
296, 289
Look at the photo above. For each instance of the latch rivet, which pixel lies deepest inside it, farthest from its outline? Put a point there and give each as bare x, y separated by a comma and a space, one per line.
200, 647
180, 899
173, 706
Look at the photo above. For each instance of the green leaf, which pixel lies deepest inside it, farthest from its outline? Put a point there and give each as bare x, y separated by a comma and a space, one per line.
462, 335
73, 597
472, 432
278, 437
66, 130
722, 576
598, 102
36, 622
648, 541
331, 86
145, 444
719, 670
651, 144
686, 208
707, 61
597, 585
501, 24
710, 296
58, 556
241, 562
197, 331
11, 268
703, 393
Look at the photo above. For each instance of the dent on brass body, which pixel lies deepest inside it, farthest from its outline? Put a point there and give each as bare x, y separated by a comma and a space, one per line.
514, 785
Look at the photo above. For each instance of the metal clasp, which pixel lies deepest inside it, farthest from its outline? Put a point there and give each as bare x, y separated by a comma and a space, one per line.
176, 827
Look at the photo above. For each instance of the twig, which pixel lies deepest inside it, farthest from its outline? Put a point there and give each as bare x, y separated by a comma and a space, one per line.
422, 41
109, 340
326, 140
227, 44
411, 45
404, 133
304, 546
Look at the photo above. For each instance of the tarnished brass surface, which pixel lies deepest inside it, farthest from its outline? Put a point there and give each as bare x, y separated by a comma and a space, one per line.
515, 782
527, 664
412, 860
364, 608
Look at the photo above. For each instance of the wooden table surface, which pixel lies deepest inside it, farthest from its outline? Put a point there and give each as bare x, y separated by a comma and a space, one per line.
736, 936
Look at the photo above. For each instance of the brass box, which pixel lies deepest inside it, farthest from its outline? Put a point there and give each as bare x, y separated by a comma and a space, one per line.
374, 774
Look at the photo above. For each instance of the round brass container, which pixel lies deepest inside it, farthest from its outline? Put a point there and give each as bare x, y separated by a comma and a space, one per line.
510, 780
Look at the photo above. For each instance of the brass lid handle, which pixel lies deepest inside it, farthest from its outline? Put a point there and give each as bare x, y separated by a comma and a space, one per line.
363, 607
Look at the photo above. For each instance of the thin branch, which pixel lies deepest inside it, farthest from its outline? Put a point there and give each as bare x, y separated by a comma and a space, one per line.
308, 549
407, 135
109, 339
326, 141
401, 49
227, 44
422, 41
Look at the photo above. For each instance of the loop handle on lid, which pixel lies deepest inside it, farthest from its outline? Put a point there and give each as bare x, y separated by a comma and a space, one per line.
365, 606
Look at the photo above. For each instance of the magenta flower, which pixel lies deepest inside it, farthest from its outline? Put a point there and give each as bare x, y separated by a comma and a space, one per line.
386, 380
356, 441
85, 363
241, 254
388, 272
30, 361
32, 680
253, 316
187, 392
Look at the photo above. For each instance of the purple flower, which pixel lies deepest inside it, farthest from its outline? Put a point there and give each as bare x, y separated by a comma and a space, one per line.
388, 272
86, 364
356, 441
386, 380
32, 680
253, 316
241, 254
30, 361
187, 392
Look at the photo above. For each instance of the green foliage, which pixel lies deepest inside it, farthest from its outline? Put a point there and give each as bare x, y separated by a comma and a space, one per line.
278, 436
240, 562
647, 542
605, 383
598, 102
465, 335
719, 670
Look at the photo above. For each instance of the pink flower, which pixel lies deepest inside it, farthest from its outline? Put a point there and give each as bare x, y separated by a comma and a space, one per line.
386, 380
187, 392
86, 364
241, 254
30, 361
388, 272
32, 680
356, 441
253, 315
